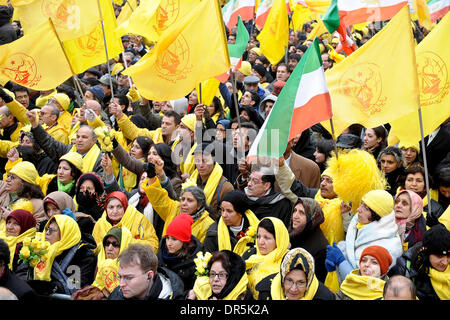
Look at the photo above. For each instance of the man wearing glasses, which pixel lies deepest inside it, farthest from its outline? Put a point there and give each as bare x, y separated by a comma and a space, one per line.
140, 278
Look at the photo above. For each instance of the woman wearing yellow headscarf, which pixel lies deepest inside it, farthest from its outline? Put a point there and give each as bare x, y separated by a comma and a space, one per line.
272, 243
67, 252
296, 280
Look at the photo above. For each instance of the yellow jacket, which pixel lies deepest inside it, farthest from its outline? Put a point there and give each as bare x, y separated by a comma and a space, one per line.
168, 209
131, 131
59, 133
65, 120
140, 227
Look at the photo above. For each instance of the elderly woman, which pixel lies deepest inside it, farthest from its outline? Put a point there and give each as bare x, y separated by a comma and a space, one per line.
114, 242
408, 208
192, 201
305, 232
89, 195
227, 279
296, 280
366, 282
374, 224
119, 213
231, 231
427, 264
272, 243
178, 248
20, 224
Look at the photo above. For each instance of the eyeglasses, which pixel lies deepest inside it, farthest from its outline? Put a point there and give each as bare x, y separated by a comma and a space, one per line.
299, 284
113, 243
221, 275
50, 230
127, 279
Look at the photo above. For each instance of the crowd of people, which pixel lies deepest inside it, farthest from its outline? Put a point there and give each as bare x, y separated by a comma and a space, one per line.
174, 211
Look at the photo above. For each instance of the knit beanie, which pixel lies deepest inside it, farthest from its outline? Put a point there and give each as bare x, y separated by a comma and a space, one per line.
379, 201
256, 50
238, 199
116, 233
181, 227
381, 254
436, 240
63, 100
74, 158
189, 121
26, 171
246, 68
98, 92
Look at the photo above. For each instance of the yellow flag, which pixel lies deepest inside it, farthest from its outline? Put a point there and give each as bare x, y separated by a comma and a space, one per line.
420, 11
127, 9
190, 51
319, 6
89, 50
208, 90
433, 68
274, 37
153, 17
72, 18
378, 82
35, 61
302, 15
318, 30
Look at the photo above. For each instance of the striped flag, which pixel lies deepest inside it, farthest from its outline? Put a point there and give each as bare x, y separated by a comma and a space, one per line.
235, 8
303, 102
263, 11
438, 8
358, 11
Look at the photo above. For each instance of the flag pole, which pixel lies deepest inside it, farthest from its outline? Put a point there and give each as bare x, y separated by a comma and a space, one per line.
200, 100
126, 66
425, 164
106, 50
236, 105
334, 137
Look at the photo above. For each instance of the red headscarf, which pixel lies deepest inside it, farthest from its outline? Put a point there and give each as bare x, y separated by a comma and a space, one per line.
24, 218
119, 196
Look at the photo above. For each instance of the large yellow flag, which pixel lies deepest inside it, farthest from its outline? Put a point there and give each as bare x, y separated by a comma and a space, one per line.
433, 68
153, 17
208, 89
302, 15
72, 18
274, 37
89, 50
378, 82
190, 51
127, 9
35, 61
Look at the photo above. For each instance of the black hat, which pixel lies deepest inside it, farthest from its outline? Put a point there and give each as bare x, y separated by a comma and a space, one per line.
348, 141
94, 71
436, 240
238, 199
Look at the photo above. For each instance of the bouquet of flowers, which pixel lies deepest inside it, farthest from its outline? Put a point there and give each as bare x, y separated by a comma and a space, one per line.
201, 263
34, 251
104, 138
249, 232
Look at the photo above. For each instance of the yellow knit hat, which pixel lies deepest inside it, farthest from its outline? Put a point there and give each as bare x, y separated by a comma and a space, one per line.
26, 171
74, 158
63, 100
246, 68
379, 201
189, 121
256, 50
414, 146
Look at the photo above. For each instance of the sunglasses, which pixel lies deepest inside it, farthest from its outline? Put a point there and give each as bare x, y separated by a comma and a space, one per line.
113, 243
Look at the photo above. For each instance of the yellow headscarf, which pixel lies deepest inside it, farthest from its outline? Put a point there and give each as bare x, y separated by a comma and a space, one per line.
291, 260
223, 235
70, 236
211, 184
90, 158
263, 265
441, 282
358, 287
13, 241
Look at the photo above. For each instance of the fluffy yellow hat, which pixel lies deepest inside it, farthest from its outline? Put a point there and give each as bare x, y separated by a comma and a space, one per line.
63, 100
22, 203
26, 171
256, 50
189, 121
74, 158
246, 68
379, 201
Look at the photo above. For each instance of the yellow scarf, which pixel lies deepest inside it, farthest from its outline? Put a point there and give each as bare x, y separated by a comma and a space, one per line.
359, 287
202, 288
70, 236
441, 282
332, 227
90, 158
106, 276
139, 226
188, 166
277, 290
223, 235
263, 265
211, 184
12, 242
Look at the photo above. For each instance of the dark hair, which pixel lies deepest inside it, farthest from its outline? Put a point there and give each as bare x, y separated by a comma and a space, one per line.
325, 146
145, 143
381, 132
123, 100
267, 225
295, 56
443, 177
30, 191
165, 153
74, 171
176, 116
263, 59
415, 168
355, 129
186, 249
283, 64
255, 97
5, 255
18, 88
223, 258
218, 108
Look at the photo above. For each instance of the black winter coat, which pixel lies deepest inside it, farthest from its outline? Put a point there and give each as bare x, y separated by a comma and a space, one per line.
19, 287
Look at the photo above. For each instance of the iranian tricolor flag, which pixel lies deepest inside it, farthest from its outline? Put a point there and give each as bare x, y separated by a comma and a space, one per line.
303, 102
235, 8
236, 50
438, 8
359, 11
263, 11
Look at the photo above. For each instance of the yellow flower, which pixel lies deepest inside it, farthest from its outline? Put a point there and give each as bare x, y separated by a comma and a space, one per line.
27, 241
35, 243
107, 141
251, 231
200, 269
45, 245
34, 262
25, 251
45, 256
